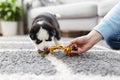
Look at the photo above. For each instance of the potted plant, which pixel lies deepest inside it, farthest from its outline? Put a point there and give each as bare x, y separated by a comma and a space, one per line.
10, 15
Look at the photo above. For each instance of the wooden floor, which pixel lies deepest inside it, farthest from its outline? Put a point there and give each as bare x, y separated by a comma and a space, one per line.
0, 34
73, 33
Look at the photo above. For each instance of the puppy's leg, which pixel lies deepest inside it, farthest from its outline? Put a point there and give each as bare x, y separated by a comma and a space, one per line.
41, 46
57, 42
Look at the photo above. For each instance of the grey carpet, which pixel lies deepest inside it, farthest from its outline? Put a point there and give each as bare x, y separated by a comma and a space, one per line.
16, 46
25, 62
96, 62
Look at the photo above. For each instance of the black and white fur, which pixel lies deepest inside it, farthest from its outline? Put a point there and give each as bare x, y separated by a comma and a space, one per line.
45, 30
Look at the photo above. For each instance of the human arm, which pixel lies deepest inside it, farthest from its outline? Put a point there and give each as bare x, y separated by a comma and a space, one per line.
109, 25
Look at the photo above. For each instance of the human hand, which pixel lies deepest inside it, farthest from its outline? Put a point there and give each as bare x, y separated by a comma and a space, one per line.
86, 42
82, 43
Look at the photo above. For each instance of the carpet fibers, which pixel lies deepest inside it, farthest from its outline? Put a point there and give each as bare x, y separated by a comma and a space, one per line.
19, 61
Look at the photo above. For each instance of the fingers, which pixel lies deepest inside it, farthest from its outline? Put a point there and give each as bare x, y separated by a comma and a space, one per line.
79, 51
82, 49
81, 43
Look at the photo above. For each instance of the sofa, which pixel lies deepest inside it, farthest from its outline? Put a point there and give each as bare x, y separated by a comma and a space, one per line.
75, 15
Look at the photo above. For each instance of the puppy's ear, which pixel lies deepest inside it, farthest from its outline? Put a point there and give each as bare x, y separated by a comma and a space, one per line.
52, 32
49, 28
34, 30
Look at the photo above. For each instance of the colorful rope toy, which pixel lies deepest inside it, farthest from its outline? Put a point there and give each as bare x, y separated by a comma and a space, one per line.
67, 49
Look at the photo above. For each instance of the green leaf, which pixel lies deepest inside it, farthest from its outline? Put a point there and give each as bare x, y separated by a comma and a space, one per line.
13, 1
9, 13
0, 9
6, 9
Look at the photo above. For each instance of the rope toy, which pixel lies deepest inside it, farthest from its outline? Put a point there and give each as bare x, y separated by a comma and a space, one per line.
67, 49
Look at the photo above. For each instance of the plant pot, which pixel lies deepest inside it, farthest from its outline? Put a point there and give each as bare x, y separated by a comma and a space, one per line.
9, 28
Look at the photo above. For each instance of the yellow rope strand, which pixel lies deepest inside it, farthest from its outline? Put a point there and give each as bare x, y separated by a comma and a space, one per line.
67, 49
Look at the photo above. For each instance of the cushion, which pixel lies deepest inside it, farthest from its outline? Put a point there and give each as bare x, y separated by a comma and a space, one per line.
76, 1
105, 6
77, 10
50, 2
84, 24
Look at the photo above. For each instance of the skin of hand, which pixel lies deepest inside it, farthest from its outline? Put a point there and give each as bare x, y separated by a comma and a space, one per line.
86, 42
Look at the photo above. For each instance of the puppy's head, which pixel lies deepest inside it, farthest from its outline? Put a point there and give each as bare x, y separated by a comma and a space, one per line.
42, 32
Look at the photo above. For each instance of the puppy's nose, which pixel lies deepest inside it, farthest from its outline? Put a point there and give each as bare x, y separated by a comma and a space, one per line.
45, 48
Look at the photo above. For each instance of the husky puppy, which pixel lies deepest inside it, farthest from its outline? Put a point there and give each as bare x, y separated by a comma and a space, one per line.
45, 30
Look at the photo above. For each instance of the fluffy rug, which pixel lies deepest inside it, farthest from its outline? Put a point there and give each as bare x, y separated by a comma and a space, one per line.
20, 61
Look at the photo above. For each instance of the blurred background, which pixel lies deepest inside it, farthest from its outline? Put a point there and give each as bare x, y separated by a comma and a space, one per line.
77, 17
